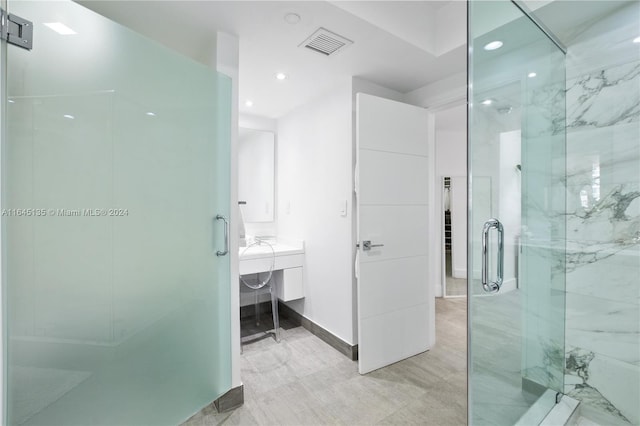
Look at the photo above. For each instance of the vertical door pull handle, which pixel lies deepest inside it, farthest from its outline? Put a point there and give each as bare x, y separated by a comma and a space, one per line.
493, 286
226, 236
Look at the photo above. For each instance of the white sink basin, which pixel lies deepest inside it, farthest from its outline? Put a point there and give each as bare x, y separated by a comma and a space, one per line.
264, 250
258, 258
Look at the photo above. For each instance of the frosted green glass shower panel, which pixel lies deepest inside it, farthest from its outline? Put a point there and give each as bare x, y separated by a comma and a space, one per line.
517, 169
115, 166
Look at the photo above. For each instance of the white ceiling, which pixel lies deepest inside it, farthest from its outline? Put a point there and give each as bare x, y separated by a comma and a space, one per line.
397, 44
411, 21
566, 19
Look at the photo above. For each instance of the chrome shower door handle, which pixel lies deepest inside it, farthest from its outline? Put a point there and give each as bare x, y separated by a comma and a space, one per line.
226, 236
493, 286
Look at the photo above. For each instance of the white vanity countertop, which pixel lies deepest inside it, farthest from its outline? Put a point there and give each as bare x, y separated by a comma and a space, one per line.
264, 250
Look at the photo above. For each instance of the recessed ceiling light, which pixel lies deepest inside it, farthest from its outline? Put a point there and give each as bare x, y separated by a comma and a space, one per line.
636, 40
11, 101
151, 114
70, 117
60, 28
531, 74
281, 76
487, 102
493, 45
249, 103
292, 18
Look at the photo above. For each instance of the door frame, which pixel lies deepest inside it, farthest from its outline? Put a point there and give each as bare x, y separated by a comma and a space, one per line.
437, 244
3, 120
443, 253
443, 237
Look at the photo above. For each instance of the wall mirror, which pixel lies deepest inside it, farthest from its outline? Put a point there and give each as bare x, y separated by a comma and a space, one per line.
256, 174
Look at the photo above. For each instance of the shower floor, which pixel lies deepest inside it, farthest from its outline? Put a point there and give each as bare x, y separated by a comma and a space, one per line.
49, 384
497, 379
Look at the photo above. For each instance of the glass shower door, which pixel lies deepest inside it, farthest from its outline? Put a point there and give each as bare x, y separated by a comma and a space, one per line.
516, 216
115, 166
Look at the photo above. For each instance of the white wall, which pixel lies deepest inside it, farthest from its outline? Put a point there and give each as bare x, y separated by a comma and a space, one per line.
314, 174
315, 180
315, 160
602, 291
451, 149
510, 201
315, 165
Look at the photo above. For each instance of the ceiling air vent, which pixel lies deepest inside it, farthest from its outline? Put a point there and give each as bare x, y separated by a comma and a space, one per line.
325, 42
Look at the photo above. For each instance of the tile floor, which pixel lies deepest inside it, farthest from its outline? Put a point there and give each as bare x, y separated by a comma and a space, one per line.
303, 381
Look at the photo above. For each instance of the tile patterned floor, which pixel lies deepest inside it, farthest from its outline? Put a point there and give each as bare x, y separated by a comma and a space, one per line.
303, 381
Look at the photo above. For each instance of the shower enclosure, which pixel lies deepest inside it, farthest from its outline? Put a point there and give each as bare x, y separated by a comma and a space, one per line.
554, 217
516, 225
115, 164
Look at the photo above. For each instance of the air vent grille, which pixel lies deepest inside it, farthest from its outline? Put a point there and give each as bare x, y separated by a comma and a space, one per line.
325, 42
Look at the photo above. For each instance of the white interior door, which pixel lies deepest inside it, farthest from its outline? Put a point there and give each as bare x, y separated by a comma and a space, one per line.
392, 181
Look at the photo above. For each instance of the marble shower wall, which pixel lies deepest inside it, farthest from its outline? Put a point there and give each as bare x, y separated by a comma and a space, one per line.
603, 220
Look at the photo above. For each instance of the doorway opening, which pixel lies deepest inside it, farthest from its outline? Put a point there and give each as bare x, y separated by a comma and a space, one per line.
454, 273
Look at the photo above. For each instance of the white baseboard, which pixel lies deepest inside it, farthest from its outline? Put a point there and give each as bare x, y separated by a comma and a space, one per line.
509, 285
459, 273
